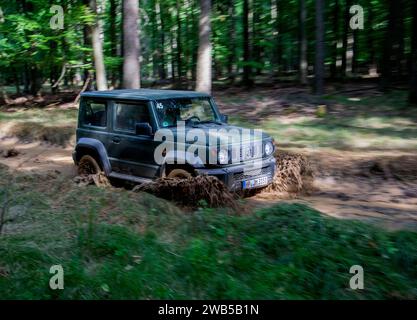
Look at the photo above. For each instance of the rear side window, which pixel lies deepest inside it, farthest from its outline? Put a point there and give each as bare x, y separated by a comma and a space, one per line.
95, 113
127, 115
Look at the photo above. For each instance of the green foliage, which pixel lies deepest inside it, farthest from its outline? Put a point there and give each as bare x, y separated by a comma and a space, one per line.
169, 38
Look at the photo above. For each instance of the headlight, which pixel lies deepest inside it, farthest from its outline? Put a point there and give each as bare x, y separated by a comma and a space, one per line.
223, 156
269, 148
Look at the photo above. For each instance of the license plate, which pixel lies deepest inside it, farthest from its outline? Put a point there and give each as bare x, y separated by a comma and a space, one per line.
255, 183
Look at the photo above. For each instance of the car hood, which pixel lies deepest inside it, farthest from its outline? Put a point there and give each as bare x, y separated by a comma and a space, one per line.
218, 131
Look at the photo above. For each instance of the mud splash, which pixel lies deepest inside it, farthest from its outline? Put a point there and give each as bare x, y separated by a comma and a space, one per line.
294, 175
191, 192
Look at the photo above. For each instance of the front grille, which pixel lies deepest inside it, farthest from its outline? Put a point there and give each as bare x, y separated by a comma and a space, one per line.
253, 173
247, 152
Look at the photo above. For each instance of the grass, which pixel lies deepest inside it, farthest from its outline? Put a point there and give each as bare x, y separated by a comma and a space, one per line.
366, 123
115, 244
377, 133
55, 126
39, 115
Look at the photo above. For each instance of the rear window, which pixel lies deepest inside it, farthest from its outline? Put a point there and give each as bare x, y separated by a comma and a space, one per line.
94, 113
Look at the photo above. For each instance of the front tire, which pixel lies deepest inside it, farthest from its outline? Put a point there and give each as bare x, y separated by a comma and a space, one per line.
88, 165
179, 174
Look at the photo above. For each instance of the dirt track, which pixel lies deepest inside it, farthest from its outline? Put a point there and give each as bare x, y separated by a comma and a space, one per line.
344, 188
37, 157
351, 185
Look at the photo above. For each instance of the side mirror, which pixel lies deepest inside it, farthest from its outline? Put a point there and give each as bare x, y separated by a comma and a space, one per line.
224, 118
143, 128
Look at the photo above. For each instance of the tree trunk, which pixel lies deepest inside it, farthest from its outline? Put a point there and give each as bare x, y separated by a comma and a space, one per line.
355, 38
172, 58
161, 48
257, 35
389, 50
319, 59
303, 65
101, 79
179, 44
204, 49
335, 52
26, 80
346, 36
279, 29
247, 69
400, 33
87, 43
372, 69
413, 69
35, 80
16, 80
113, 38
131, 68
194, 54
232, 47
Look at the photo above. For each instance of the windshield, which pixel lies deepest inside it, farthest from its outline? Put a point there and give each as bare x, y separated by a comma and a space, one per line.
190, 110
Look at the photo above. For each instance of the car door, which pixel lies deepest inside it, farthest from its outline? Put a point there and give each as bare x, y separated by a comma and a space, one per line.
130, 153
93, 120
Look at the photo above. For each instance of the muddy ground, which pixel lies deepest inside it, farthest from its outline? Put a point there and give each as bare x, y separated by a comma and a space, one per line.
368, 184
346, 184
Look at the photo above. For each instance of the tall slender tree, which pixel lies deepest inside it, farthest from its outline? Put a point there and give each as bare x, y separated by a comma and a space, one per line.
334, 68
204, 48
319, 59
160, 54
413, 71
389, 44
113, 37
279, 31
247, 69
303, 65
101, 78
179, 42
372, 41
347, 36
131, 67
232, 47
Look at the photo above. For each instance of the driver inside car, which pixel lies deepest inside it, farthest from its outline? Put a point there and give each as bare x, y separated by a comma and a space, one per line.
171, 117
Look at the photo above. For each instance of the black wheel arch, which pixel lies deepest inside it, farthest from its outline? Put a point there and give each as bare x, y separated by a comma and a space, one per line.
94, 148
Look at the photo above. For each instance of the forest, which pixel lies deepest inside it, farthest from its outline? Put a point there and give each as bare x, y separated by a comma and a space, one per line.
191, 44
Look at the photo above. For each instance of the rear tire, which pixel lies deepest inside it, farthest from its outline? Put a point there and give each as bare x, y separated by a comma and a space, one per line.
88, 165
179, 174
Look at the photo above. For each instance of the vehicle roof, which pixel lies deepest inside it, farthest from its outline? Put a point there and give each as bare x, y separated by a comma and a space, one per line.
143, 94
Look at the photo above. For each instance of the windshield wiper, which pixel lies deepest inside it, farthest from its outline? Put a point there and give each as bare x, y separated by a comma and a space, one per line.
211, 121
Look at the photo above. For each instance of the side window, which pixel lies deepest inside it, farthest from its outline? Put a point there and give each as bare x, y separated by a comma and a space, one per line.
127, 115
95, 113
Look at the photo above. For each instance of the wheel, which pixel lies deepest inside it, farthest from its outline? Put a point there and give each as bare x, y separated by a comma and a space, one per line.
88, 165
179, 174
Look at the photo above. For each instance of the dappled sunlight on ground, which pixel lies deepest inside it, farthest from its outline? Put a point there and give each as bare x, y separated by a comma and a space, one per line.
378, 187
38, 158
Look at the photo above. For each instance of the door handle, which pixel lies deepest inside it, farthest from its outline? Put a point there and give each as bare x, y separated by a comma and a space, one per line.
116, 140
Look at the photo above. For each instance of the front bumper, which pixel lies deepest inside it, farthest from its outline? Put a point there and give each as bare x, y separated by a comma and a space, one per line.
233, 175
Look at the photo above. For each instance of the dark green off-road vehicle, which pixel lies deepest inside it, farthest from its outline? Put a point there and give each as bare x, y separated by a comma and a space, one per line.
141, 135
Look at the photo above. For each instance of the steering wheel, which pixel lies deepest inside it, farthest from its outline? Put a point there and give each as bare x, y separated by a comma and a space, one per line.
192, 117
